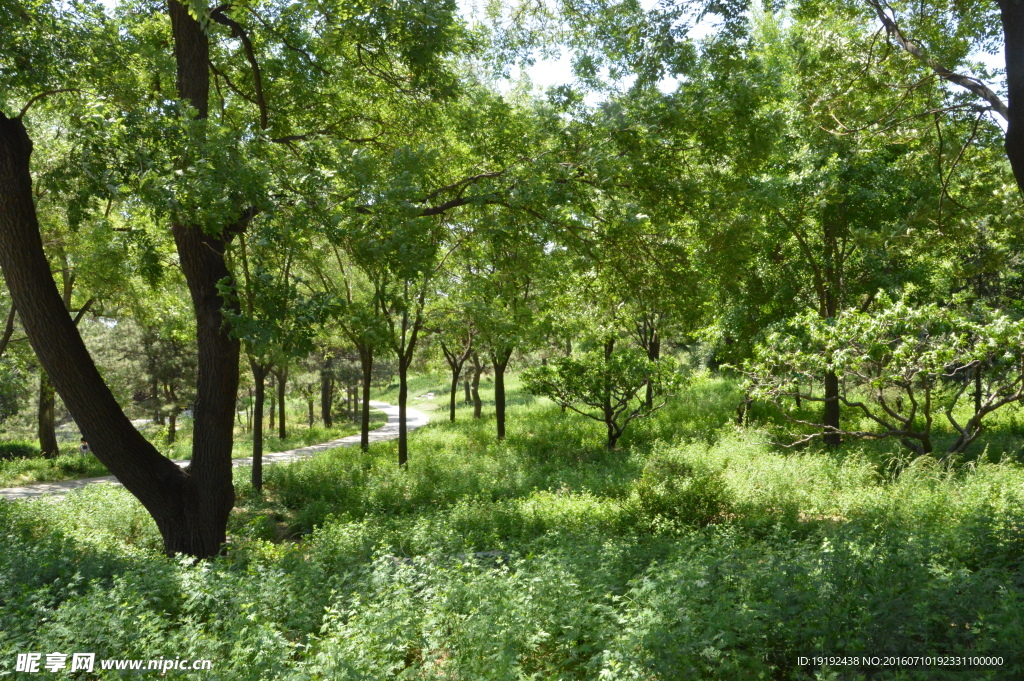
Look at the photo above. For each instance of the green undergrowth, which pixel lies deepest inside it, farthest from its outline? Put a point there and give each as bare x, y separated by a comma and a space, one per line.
701, 551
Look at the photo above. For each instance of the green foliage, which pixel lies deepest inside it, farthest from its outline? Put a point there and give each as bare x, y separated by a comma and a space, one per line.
605, 380
18, 450
533, 557
672, 489
14, 387
910, 363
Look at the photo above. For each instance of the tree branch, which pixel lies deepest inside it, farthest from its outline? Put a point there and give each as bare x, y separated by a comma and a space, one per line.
967, 82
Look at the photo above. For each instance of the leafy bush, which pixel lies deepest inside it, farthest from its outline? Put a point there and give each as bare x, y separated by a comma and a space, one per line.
17, 450
674, 489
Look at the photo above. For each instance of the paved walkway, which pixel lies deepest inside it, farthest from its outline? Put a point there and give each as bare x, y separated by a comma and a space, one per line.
389, 431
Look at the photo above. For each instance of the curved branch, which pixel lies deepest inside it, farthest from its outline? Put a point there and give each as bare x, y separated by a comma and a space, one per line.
967, 82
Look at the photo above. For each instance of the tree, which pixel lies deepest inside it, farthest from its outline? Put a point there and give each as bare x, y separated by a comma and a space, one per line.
901, 365
606, 380
205, 191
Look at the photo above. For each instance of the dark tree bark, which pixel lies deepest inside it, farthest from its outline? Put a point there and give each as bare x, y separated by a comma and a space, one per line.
310, 402
366, 363
467, 397
499, 360
1012, 14
172, 425
273, 403
403, 399
190, 506
46, 418
282, 385
259, 378
606, 402
327, 392
653, 354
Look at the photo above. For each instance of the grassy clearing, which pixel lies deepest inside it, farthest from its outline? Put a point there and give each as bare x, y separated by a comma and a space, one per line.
699, 551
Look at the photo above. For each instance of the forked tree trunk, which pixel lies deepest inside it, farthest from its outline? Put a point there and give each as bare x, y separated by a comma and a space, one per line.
190, 506
455, 360
46, 418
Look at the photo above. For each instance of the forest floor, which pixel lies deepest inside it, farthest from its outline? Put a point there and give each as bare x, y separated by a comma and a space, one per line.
697, 550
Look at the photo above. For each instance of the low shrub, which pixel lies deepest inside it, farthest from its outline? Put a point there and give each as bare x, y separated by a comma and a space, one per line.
674, 489
17, 450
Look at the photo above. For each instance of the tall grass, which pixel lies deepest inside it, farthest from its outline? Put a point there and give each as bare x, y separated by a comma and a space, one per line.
699, 551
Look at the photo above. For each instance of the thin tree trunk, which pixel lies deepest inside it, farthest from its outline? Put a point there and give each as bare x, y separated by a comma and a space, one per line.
455, 363
282, 403
403, 398
500, 363
310, 401
259, 375
465, 387
46, 421
172, 425
478, 370
327, 392
366, 362
653, 354
831, 416
606, 398
273, 406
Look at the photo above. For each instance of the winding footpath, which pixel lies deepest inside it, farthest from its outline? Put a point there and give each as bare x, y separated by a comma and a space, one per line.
389, 431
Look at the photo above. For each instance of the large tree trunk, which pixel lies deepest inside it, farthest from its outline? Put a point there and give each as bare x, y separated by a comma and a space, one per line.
190, 507
327, 392
46, 418
500, 362
1012, 14
259, 377
831, 416
208, 493
366, 362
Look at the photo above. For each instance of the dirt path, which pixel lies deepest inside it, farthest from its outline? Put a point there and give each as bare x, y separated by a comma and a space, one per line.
389, 431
